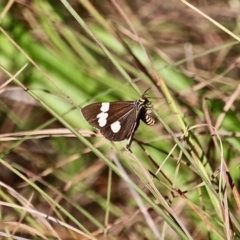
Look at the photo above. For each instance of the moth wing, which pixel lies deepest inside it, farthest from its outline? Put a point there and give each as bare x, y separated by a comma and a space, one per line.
123, 112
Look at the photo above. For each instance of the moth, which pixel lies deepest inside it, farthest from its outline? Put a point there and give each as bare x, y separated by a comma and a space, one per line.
119, 120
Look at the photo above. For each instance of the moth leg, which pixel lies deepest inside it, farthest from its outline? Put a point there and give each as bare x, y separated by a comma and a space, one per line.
134, 129
129, 143
129, 150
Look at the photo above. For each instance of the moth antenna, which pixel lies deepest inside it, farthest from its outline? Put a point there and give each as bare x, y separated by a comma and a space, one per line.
145, 93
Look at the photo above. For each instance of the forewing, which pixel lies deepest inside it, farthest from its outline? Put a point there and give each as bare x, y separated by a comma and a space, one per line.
124, 112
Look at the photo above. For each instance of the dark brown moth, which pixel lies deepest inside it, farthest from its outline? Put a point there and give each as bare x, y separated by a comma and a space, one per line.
119, 120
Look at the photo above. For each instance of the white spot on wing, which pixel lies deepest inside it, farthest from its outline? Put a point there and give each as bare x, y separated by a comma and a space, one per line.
116, 126
102, 122
102, 119
105, 106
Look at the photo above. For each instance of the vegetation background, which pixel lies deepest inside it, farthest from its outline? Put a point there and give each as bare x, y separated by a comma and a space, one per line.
60, 179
